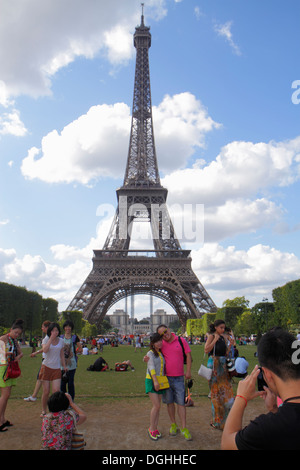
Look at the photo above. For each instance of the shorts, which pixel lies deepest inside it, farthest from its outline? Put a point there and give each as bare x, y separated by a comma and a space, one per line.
176, 392
48, 374
8, 382
150, 388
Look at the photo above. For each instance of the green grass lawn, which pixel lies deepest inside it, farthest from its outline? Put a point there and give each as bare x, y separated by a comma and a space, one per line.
110, 384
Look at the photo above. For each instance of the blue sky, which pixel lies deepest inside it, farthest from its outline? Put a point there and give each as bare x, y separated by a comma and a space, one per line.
225, 85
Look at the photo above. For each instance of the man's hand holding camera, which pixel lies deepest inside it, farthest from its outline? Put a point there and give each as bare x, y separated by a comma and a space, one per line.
247, 387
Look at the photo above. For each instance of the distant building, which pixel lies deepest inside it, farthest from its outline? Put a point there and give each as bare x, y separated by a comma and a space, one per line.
122, 321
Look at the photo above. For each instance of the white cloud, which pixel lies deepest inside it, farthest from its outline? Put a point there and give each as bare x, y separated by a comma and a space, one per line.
4, 96
240, 216
6, 256
94, 146
240, 170
10, 123
89, 148
46, 36
4, 222
181, 123
228, 272
224, 30
233, 187
37, 39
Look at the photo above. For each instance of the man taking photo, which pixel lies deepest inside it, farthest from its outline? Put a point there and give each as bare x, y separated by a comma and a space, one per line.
279, 428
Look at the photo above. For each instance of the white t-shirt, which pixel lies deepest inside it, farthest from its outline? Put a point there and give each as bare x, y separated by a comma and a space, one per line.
52, 357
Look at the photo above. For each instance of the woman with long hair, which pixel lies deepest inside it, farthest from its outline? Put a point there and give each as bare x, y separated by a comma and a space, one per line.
218, 348
155, 367
9, 351
50, 373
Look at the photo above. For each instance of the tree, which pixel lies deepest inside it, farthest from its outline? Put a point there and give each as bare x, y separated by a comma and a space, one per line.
236, 302
263, 316
105, 326
33, 313
175, 325
88, 330
18, 302
194, 327
287, 303
232, 309
50, 310
245, 324
75, 316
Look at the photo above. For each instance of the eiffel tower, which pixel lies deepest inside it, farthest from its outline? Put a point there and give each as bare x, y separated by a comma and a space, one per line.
164, 272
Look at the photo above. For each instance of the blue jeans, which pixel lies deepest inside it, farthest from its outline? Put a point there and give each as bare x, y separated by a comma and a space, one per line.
176, 392
71, 386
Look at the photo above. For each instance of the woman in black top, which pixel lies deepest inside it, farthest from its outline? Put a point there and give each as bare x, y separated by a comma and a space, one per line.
218, 346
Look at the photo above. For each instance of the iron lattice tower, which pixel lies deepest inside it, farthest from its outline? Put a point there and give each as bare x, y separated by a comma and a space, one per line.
164, 272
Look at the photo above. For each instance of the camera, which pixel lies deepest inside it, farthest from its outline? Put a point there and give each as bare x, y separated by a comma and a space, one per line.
65, 376
261, 383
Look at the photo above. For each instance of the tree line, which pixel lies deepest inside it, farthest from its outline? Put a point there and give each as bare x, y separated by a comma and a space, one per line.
284, 311
18, 302
33, 309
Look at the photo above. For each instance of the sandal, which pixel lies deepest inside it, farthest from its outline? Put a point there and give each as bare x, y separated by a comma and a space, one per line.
2, 428
7, 423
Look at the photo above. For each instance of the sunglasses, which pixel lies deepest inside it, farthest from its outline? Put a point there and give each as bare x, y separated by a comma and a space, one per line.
164, 332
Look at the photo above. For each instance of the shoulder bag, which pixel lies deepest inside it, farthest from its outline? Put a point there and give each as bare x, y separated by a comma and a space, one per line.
162, 379
204, 371
13, 371
78, 442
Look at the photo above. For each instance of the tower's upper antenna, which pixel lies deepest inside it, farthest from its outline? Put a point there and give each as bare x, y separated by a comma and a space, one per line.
142, 4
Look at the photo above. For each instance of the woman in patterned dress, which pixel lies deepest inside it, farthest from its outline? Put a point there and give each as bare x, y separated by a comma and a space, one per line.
218, 347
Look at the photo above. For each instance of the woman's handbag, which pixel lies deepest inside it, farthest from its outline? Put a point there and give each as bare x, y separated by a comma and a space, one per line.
13, 370
205, 372
163, 382
162, 379
78, 442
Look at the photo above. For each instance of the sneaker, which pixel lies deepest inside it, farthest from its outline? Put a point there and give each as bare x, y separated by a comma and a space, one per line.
30, 398
152, 435
157, 433
186, 433
173, 429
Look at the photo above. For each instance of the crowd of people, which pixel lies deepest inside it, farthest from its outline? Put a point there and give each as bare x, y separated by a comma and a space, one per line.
168, 367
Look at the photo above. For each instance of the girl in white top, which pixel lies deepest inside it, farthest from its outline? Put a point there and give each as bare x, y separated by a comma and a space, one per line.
53, 349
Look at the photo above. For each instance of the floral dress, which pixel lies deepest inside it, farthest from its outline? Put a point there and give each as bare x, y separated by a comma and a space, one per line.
222, 396
57, 429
